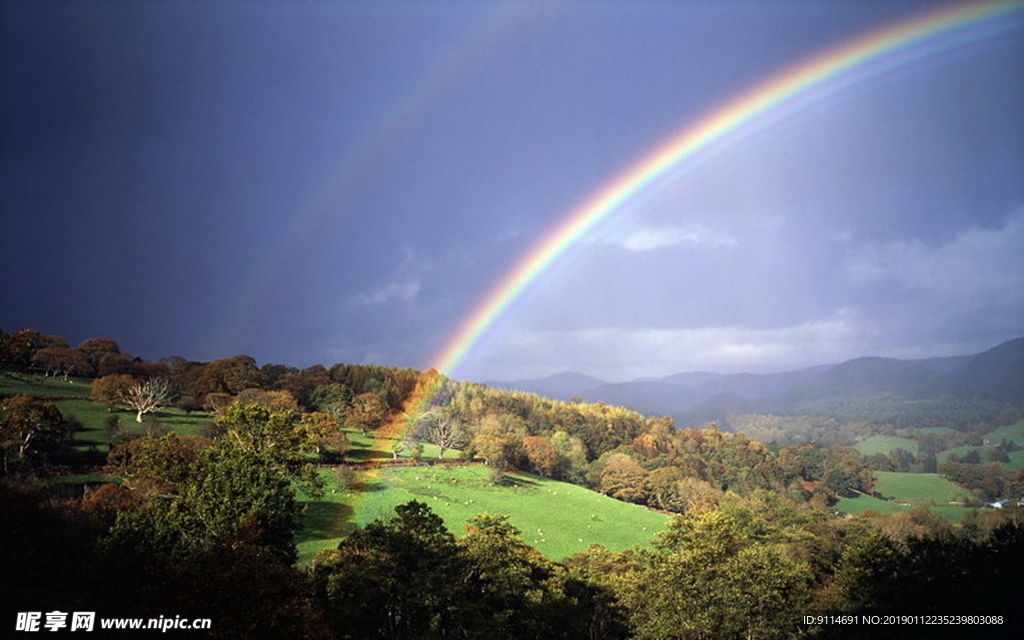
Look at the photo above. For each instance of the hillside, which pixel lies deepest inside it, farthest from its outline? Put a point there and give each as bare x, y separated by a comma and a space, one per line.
556, 518
694, 397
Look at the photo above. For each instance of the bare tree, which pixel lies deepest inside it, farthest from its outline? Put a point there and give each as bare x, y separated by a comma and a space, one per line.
442, 429
147, 395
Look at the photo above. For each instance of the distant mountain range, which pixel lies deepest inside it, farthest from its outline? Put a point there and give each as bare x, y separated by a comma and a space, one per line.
996, 374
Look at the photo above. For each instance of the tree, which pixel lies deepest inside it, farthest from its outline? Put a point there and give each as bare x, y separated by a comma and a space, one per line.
397, 579
29, 429
624, 479
111, 389
274, 400
324, 434
95, 349
17, 349
331, 398
501, 451
61, 361
709, 580
441, 428
542, 455
147, 396
228, 375
368, 412
273, 437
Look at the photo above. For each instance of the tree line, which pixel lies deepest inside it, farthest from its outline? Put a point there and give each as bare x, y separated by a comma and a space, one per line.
205, 525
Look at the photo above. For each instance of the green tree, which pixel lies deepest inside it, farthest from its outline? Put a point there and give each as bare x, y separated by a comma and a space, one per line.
707, 579
273, 437
397, 579
518, 592
224, 498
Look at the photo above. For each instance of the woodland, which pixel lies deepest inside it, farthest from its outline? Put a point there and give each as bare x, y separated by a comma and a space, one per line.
175, 487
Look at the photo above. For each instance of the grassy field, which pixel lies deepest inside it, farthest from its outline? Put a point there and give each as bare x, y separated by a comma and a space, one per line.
913, 432
556, 518
863, 503
71, 397
919, 488
33, 385
1011, 432
904, 491
885, 444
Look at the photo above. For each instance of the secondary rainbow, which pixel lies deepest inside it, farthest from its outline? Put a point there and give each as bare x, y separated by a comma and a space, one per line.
819, 76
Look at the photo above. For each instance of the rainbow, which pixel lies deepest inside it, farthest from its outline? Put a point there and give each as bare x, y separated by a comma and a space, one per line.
820, 76
764, 104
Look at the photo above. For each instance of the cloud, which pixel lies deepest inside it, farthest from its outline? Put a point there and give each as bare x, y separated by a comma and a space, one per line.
654, 237
405, 290
404, 285
623, 353
977, 268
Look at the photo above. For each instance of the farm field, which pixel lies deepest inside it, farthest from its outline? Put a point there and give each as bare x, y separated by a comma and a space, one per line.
862, 503
1011, 432
920, 431
885, 445
904, 491
556, 518
919, 488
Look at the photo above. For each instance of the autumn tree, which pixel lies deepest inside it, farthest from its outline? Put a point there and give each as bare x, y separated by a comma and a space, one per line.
368, 412
29, 430
95, 349
542, 456
17, 349
324, 433
61, 361
227, 375
111, 389
278, 400
623, 478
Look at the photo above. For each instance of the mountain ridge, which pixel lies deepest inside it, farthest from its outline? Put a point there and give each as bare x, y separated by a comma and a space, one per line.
995, 374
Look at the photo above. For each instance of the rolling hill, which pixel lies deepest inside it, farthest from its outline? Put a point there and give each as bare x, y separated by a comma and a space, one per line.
995, 374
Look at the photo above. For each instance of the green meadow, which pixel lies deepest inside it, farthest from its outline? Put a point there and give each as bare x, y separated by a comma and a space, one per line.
919, 488
1011, 432
71, 397
885, 445
862, 503
556, 518
33, 385
904, 491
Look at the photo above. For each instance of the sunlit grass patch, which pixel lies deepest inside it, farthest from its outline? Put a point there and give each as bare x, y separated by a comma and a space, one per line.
556, 518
